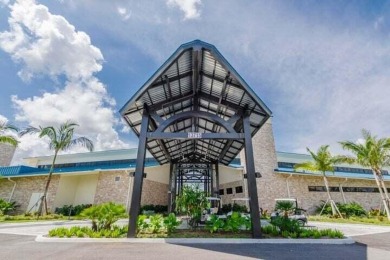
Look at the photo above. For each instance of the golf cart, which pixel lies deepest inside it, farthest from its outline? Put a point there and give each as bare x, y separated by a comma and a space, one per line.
215, 205
295, 212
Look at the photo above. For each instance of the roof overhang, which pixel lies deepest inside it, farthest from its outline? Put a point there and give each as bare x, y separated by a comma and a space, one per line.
196, 78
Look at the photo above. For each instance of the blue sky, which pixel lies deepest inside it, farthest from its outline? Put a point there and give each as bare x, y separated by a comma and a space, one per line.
322, 67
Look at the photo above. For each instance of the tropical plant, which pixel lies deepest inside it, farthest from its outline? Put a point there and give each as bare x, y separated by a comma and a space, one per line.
70, 210
61, 139
346, 209
285, 206
6, 207
235, 222
4, 137
322, 162
93, 214
286, 224
192, 201
171, 223
375, 154
104, 215
214, 224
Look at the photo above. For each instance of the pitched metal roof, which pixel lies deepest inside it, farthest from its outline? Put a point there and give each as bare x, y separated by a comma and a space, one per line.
196, 78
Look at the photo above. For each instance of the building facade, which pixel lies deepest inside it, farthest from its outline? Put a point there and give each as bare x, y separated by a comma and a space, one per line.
98, 177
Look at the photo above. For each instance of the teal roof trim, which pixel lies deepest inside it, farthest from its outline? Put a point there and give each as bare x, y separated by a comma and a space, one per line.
330, 174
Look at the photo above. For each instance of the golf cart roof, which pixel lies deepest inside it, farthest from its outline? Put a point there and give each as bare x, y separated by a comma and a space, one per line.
285, 199
212, 198
245, 199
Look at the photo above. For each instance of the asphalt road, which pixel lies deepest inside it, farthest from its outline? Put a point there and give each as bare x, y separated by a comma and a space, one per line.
24, 247
17, 241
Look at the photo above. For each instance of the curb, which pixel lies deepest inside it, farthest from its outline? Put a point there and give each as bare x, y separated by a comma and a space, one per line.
344, 241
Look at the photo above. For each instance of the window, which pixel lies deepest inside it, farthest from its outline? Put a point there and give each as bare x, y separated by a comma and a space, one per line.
117, 178
239, 189
345, 189
229, 191
221, 192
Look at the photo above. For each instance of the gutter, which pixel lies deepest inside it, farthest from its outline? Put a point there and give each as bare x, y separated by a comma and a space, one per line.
13, 189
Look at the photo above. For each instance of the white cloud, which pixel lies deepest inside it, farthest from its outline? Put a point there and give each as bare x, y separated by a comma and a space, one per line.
46, 44
3, 118
189, 7
124, 13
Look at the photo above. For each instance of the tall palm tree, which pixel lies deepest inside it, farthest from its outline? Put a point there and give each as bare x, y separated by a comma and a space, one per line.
375, 154
61, 139
322, 162
8, 139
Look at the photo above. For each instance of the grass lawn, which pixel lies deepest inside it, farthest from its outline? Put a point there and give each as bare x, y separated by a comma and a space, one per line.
24, 218
352, 220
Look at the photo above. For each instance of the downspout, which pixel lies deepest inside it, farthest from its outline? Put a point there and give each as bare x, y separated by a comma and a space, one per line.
288, 186
13, 189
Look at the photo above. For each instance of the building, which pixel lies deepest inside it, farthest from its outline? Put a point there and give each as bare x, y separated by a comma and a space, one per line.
6, 153
201, 123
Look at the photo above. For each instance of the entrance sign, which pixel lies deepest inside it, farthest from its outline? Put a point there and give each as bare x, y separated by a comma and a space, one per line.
193, 135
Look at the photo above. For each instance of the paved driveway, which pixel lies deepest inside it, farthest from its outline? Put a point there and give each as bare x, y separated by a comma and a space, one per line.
17, 241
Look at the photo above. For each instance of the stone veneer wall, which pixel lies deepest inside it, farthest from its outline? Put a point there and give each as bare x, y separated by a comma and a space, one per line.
309, 199
269, 186
117, 191
25, 187
154, 193
273, 185
110, 190
6, 153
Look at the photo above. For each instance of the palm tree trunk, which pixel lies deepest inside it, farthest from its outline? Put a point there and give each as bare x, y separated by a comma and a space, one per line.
332, 204
44, 200
384, 199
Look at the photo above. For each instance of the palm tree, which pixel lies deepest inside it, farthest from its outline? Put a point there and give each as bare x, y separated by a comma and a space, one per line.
8, 139
61, 139
322, 162
373, 153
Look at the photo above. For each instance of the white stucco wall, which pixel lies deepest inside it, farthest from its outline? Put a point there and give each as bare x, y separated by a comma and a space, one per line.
229, 174
158, 173
86, 189
76, 189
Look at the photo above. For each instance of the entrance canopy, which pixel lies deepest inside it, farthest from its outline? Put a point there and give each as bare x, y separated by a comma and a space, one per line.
196, 92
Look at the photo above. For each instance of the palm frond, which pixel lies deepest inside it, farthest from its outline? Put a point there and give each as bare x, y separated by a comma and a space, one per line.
82, 141
343, 159
4, 126
29, 130
306, 166
9, 140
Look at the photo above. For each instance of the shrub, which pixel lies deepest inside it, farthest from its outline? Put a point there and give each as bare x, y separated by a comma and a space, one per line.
286, 224
6, 207
171, 223
76, 231
69, 210
226, 208
192, 202
159, 209
215, 224
346, 209
156, 223
104, 215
